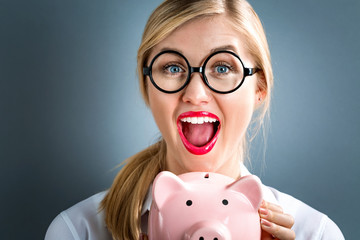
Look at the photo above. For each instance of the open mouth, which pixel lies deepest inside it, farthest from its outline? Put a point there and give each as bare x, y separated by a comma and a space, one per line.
198, 131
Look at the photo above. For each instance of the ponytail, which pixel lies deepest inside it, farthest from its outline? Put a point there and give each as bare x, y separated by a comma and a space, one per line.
124, 200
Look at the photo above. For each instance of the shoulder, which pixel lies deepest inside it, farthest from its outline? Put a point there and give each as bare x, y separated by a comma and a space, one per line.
81, 221
309, 223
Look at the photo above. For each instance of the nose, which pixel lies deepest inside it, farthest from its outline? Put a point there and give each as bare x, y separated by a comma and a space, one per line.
196, 92
208, 230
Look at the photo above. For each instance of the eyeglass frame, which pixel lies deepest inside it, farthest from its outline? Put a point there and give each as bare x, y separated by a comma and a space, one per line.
147, 71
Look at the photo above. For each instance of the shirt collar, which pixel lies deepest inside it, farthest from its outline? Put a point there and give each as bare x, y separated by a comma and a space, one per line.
267, 193
148, 201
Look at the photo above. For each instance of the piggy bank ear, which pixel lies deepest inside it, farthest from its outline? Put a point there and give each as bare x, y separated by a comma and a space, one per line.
165, 185
250, 186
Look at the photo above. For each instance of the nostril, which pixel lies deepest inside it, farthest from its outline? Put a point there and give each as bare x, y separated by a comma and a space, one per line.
201, 238
215, 238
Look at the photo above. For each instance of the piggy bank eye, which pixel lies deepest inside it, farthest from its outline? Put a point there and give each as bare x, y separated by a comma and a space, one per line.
188, 202
225, 202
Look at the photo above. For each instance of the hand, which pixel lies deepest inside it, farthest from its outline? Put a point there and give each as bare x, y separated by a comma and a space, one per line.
275, 224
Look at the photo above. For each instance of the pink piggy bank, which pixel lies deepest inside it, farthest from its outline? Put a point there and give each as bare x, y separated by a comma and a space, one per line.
204, 206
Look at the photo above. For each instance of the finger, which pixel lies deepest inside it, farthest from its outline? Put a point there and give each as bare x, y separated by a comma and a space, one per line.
272, 206
277, 231
282, 219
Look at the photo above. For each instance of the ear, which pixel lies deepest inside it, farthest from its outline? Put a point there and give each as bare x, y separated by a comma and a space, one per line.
261, 88
165, 184
250, 186
260, 97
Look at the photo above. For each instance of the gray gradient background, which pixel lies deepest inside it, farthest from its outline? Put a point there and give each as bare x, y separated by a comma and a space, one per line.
70, 110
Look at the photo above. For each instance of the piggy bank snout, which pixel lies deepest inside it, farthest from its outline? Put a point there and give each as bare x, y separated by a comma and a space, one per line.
208, 230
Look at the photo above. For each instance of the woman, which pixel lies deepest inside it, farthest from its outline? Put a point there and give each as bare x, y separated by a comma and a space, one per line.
204, 70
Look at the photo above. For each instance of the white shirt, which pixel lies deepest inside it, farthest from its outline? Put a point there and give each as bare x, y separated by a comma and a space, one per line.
83, 221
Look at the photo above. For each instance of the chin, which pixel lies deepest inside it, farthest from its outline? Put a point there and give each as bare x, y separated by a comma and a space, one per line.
209, 162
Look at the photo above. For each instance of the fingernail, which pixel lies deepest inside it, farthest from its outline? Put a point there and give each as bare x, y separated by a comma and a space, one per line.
263, 212
266, 223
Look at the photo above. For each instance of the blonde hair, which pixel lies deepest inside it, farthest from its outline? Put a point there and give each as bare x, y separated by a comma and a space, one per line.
123, 202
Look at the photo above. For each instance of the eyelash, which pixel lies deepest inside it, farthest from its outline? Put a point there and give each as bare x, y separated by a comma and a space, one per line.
165, 67
219, 64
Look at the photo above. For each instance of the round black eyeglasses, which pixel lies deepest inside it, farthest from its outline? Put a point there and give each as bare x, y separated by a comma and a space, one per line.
223, 71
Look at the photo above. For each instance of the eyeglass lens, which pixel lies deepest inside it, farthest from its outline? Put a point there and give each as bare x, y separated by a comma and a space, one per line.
223, 71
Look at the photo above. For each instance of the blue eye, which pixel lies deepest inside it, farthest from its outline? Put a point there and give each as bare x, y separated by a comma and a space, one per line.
174, 69
222, 69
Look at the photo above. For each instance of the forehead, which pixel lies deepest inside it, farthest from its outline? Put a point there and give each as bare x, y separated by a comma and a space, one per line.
198, 38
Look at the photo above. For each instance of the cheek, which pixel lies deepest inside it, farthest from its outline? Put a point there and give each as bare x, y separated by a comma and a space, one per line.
156, 106
162, 108
238, 112
240, 116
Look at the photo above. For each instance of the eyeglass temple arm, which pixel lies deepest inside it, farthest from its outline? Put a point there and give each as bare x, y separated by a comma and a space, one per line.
146, 71
250, 71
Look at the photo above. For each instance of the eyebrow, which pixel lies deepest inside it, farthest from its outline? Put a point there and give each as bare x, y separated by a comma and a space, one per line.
224, 48
171, 49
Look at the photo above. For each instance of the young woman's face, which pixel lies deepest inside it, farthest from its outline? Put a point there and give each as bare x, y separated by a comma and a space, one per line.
209, 146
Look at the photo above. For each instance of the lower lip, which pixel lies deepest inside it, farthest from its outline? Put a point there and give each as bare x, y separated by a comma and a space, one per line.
191, 148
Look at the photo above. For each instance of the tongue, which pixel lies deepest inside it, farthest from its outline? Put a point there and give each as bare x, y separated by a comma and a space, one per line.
198, 134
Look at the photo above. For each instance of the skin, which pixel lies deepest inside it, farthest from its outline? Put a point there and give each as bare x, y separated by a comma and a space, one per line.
196, 39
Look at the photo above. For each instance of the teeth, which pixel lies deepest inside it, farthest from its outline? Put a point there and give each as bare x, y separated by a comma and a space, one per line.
194, 120
198, 120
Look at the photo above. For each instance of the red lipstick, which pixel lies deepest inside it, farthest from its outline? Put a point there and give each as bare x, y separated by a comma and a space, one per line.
200, 117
